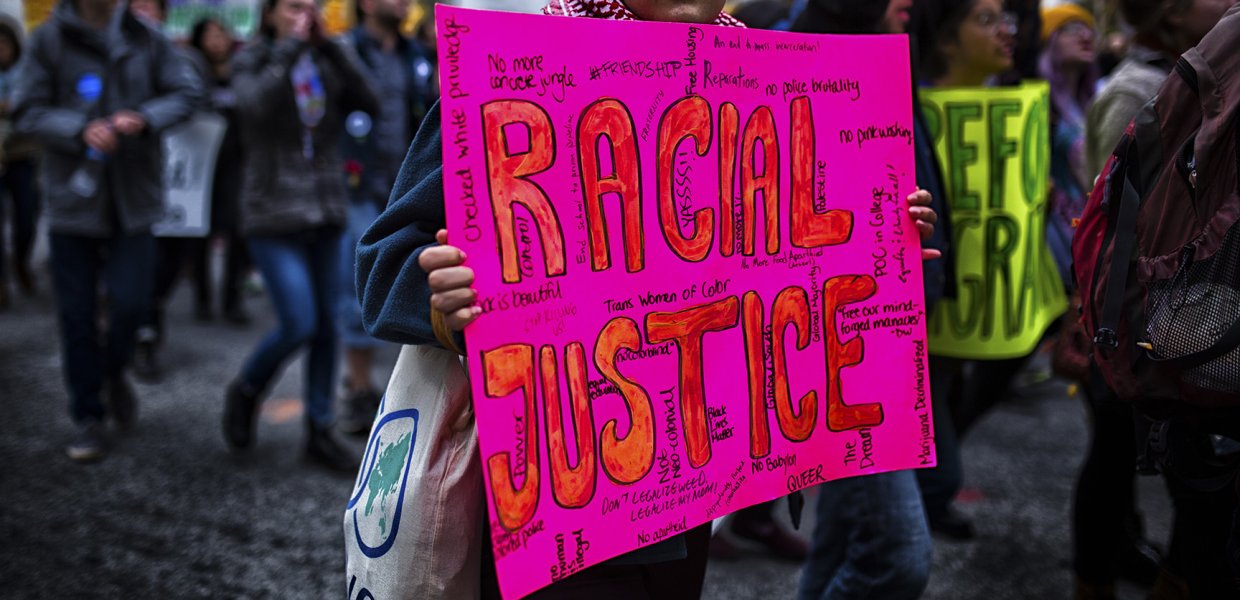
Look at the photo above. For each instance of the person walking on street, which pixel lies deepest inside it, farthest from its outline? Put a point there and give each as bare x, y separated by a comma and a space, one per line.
18, 155
871, 539
293, 89
374, 146
1106, 523
96, 90
960, 43
170, 252
214, 45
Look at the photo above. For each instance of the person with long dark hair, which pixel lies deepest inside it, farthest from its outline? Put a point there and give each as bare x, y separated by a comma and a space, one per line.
294, 88
879, 547
215, 47
871, 539
959, 43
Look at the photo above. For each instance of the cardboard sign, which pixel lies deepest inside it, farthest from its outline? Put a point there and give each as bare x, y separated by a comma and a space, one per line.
190, 152
994, 148
241, 17
700, 283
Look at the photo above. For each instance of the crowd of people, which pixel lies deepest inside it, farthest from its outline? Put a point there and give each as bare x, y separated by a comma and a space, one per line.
316, 129
322, 132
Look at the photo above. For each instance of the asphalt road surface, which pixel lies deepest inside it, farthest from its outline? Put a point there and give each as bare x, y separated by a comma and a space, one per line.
172, 514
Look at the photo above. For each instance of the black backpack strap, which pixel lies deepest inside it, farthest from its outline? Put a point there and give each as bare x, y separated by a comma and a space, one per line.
1125, 238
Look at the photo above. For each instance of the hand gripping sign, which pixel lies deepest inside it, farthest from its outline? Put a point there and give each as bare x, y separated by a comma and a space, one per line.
700, 283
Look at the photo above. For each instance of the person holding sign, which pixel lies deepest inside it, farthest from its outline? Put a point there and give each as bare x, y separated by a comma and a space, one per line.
879, 547
416, 289
215, 48
962, 43
99, 122
293, 89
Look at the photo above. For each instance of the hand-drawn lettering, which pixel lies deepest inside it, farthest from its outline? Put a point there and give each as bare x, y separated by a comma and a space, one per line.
627, 459
687, 328
610, 120
687, 118
508, 176
840, 416
509, 369
572, 487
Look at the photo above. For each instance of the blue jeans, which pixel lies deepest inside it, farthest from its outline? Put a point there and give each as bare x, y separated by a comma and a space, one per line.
302, 275
871, 540
353, 333
127, 264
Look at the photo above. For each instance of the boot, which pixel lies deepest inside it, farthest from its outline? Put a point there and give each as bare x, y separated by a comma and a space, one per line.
240, 408
324, 450
1169, 586
122, 402
1139, 563
360, 408
777, 539
25, 279
146, 366
1094, 591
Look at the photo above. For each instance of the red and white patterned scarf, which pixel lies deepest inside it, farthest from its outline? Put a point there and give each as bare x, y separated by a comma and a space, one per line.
612, 9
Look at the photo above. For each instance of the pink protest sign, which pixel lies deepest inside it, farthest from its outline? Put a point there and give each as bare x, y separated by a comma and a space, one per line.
701, 287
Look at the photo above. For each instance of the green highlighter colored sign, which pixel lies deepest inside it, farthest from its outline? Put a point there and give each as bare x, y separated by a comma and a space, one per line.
994, 149
240, 16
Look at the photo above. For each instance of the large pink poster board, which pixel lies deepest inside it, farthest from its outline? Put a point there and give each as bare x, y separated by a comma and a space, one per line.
701, 286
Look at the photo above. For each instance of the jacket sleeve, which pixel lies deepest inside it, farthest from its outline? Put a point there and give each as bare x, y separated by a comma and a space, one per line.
179, 89
393, 288
358, 93
261, 77
34, 110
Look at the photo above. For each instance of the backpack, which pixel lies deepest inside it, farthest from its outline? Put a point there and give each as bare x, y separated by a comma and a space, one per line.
1157, 252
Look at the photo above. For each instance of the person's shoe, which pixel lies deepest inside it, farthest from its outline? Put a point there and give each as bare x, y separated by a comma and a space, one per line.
89, 445
323, 449
359, 412
237, 316
774, 536
1139, 563
1093, 591
25, 279
146, 362
723, 548
1169, 586
240, 409
203, 313
122, 403
952, 525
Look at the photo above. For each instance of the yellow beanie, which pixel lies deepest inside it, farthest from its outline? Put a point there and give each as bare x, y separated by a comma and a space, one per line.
1054, 18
